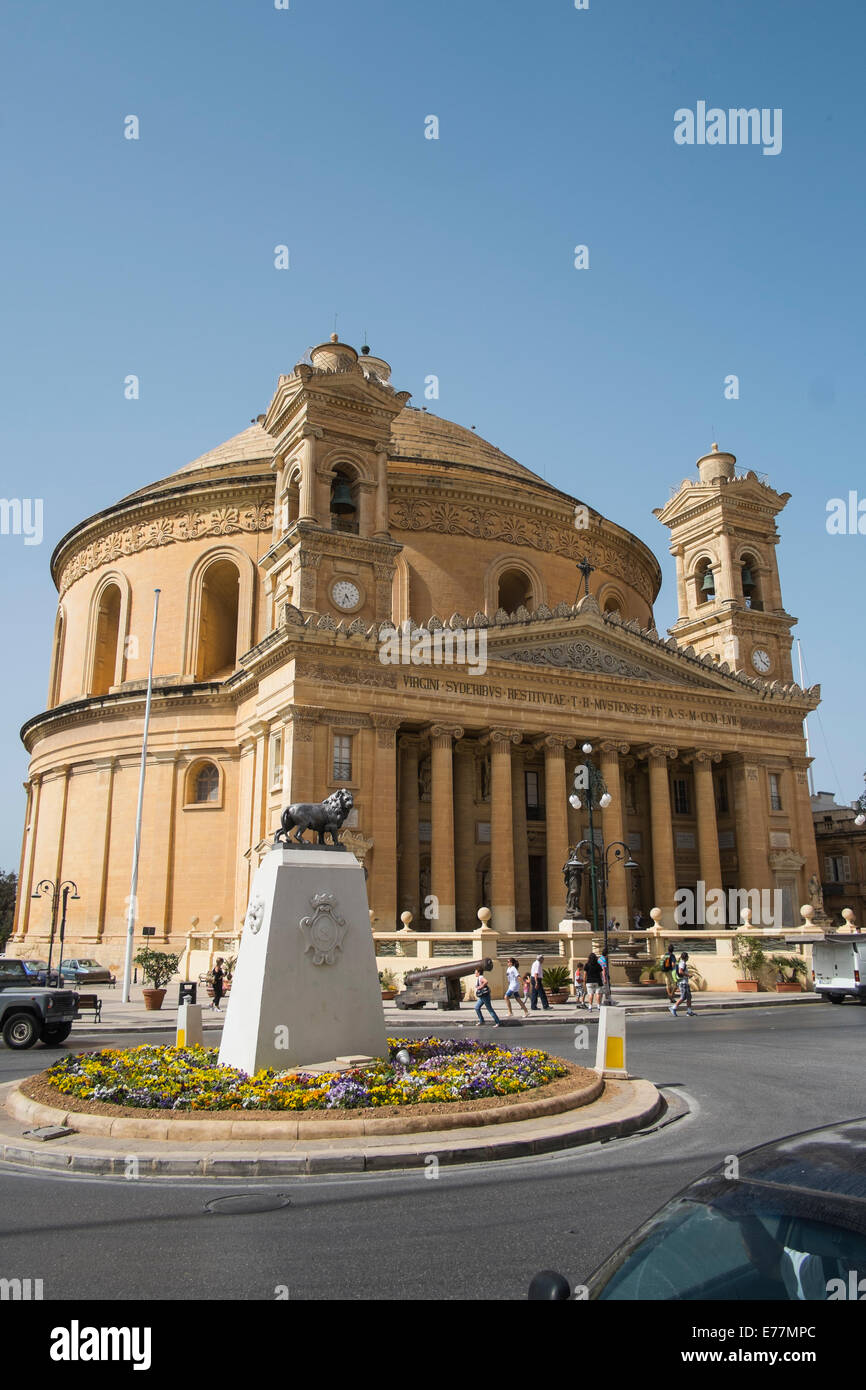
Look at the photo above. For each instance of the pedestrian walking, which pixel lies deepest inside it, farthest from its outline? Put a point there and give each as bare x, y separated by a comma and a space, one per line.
512, 975
536, 974
594, 980
685, 989
669, 971
580, 984
527, 988
217, 979
482, 998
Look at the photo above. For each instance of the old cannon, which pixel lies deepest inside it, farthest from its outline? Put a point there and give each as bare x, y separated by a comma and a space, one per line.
439, 985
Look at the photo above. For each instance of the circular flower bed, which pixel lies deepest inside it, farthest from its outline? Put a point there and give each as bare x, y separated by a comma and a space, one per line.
190, 1078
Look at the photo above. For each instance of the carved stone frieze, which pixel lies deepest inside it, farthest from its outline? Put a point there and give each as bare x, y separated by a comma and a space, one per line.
165, 530
516, 528
580, 656
350, 675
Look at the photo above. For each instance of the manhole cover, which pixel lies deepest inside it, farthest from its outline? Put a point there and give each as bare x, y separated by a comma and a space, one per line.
247, 1202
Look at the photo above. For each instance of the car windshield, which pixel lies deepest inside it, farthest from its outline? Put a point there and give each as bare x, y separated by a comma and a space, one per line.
91, 964
760, 1251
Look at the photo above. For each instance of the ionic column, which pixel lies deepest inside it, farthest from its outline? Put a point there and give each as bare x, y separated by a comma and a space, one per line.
708, 831
802, 819
278, 464
28, 847
502, 830
301, 785
306, 491
725, 589
556, 821
521, 842
464, 830
664, 863
410, 857
613, 828
380, 524
384, 821
751, 816
260, 729
246, 868
442, 882
682, 591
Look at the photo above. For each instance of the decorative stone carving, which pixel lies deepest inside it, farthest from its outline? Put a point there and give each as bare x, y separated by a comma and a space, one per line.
536, 532
580, 656
255, 914
165, 530
323, 930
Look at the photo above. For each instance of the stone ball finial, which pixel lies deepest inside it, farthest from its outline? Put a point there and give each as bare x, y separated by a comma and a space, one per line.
484, 915
334, 338
850, 920
656, 914
406, 919
746, 916
807, 912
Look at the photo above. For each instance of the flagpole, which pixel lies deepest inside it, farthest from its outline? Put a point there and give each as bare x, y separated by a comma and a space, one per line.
133, 887
806, 720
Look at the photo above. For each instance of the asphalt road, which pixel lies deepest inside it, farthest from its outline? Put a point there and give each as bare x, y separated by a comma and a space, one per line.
477, 1232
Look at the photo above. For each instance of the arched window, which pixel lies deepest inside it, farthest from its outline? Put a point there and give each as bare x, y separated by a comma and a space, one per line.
344, 500
290, 501
705, 584
106, 639
515, 590
217, 653
203, 786
207, 783
613, 603
751, 582
57, 658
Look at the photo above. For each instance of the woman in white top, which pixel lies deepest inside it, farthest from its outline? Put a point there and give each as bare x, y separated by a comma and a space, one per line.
513, 987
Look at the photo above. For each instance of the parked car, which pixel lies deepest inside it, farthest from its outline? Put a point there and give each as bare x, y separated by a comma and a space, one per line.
791, 1226
83, 971
30, 1013
36, 968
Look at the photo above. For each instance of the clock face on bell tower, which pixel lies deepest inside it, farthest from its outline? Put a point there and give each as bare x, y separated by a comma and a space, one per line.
724, 538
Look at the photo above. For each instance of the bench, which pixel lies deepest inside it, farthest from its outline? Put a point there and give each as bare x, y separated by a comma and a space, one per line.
89, 1003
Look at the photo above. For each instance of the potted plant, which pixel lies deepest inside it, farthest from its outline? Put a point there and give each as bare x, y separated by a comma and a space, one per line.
750, 957
388, 984
157, 967
789, 983
555, 980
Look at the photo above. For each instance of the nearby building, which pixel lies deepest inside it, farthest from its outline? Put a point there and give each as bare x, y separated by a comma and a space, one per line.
285, 557
841, 857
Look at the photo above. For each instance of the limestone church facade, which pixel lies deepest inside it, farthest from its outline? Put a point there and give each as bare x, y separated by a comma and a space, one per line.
296, 564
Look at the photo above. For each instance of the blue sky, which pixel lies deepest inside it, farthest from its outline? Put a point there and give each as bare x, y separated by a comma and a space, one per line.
305, 127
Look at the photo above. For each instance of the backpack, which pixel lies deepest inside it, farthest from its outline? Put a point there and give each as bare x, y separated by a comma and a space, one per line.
669, 962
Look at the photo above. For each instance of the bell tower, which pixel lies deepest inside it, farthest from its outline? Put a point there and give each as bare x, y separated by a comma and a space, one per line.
724, 538
330, 420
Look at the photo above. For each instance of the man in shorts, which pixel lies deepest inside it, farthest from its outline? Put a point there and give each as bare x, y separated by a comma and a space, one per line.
685, 989
512, 991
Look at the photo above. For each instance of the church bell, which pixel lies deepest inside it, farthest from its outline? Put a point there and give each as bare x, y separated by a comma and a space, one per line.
341, 502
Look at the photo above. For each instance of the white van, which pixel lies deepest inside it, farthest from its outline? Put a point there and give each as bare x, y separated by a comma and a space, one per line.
839, 966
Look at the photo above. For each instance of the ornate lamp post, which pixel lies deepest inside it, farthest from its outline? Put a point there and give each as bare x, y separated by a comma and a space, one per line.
46, 886
589, 780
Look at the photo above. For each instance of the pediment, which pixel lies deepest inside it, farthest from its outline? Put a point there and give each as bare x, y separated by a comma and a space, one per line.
587, 644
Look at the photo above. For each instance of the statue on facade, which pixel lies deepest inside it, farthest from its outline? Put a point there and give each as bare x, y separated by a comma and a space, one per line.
322, 817
572, 872
816, 894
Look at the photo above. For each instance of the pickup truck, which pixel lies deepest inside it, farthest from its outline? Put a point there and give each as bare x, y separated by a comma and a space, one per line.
30, 1013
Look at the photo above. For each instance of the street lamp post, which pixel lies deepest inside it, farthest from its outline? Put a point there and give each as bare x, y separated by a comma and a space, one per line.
590, 781
47, 887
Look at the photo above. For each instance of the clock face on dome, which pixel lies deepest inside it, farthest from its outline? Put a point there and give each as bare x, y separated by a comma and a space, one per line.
345, 594
761, 660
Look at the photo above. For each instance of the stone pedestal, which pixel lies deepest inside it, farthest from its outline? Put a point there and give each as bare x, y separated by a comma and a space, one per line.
305, 987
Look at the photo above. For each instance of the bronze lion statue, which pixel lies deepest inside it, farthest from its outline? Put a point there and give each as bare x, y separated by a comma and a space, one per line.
320, 816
